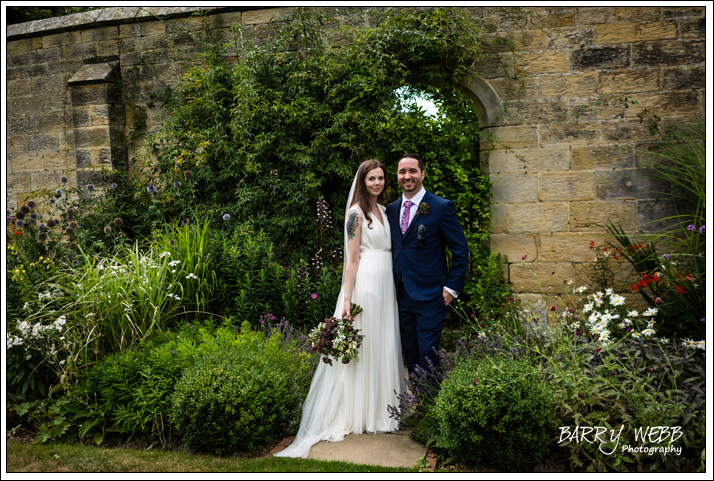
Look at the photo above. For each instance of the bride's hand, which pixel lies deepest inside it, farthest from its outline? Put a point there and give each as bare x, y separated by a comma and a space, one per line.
346, 310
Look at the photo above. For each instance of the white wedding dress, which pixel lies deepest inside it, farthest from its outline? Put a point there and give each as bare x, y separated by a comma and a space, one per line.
353, 398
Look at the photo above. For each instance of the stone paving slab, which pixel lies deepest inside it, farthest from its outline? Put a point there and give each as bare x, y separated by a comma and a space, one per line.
395, 449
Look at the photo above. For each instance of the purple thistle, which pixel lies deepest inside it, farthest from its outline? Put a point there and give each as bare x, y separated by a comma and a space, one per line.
58, 193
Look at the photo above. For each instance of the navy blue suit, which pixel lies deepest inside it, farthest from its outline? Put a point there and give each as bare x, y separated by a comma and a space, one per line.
421, 272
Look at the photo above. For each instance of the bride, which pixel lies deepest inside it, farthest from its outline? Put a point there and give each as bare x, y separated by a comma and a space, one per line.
353, 398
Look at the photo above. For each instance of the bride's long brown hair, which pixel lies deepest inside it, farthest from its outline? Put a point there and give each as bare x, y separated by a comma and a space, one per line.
361, 197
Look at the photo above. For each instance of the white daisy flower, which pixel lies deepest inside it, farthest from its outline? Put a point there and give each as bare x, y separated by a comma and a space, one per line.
588, 307
581, 289
634, 334
621, 325
648, 332
617, 300
633, 313
609, 291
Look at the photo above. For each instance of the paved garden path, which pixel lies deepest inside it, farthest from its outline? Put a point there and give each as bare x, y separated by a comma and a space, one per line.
394, 449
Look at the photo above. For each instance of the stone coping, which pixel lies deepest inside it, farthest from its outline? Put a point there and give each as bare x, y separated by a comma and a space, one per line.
108, 16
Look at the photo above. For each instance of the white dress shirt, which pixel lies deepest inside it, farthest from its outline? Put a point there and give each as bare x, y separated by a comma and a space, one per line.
412, 212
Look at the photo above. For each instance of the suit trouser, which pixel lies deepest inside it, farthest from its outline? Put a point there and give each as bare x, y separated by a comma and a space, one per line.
420, 326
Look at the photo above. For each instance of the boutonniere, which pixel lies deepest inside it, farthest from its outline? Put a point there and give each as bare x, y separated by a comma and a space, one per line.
424, 208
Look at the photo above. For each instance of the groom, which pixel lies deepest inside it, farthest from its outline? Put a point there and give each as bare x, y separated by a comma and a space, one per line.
422, 225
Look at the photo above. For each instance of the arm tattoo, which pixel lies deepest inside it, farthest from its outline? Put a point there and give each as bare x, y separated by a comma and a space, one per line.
352, 224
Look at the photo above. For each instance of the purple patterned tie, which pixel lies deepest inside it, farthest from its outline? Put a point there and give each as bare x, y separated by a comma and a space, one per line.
405, 217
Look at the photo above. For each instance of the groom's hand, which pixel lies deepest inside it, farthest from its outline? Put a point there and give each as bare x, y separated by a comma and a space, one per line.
447, 297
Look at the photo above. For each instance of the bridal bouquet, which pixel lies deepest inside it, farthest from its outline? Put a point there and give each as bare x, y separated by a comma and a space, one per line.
337, 338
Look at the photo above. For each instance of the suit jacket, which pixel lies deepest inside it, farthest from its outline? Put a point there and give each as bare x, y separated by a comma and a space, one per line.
423, 268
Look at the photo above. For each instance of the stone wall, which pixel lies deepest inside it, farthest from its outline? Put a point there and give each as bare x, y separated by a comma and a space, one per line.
582, 163
581, 146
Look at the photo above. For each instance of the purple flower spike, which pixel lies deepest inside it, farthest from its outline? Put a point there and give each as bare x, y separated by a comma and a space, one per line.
665, 256
701, 230
691, 227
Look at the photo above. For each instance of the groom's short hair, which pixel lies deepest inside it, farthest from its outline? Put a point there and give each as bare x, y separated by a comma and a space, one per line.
413, 156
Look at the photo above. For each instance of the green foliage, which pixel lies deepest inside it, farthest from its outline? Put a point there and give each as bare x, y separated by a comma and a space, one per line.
231, 399
23, 14
252, 282
495, 410
298, 110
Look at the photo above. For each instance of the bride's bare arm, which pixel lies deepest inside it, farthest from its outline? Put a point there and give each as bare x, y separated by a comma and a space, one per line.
354, 236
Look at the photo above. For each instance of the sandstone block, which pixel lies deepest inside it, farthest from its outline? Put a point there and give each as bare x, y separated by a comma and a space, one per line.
20, 125
18, 59
495, 66
693, 28
675, 12
83, 158
49, 121
18, 182
597, 157
558, 16
635, 32
493, 161
17, 88
654, 216
539, 160
18, 46
67, 140
626, 184
52, 41
590, 216
499, 221
91, 137
79, 51
58, 161
45, 55
32, 162
593, 15
569, 133
27, 103
675, 52
253, 17
102, 156
108, 47
684, 103
571, 37
538, 217
545, 278
683, 78
70, 38
43, 180
513, 137
514, 247
90, 94
511, 188
100, 34
535, 111
636, 14
525, 88
546, 62
565, 186
621, 131
42, 142
99, 114
628, 81
569, 85
568, 247
150, 29
16, 144
49, 84
229, 18
523, 41
600, 107
600, 58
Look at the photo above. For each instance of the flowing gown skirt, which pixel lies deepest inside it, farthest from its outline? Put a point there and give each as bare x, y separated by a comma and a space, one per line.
353, 398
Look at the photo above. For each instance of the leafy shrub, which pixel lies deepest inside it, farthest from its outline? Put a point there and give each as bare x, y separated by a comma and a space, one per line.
230, 400
495, 410
253, 283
